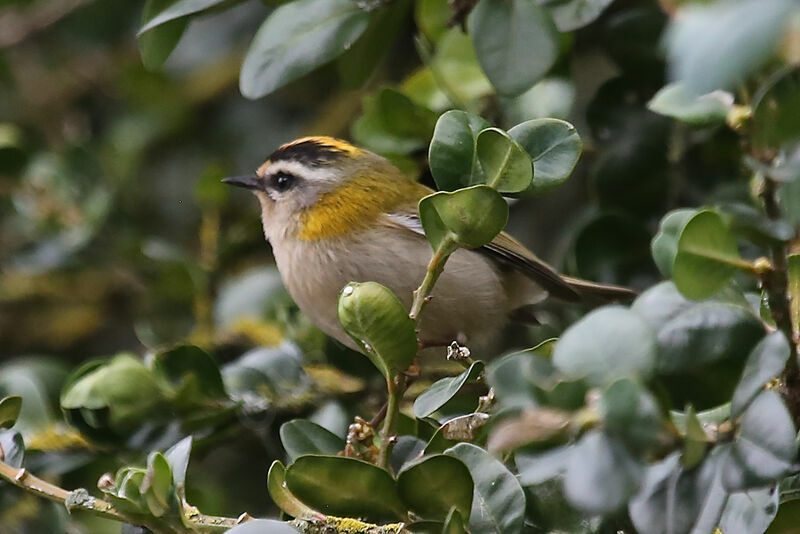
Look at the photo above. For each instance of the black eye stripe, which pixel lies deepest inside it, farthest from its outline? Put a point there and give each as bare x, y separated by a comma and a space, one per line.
283, 181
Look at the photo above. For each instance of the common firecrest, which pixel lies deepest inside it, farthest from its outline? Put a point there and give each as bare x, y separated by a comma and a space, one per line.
335, 213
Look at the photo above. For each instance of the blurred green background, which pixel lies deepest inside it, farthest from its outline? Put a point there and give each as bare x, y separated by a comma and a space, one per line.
116, 234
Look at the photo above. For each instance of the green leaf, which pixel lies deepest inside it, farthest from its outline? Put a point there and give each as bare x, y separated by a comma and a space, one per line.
695, 441
498, 505
765, 448
765, 363
432, 17
752, 224
300, 436
676, 500
472, 217
407, 449
538, 467
393, 124
707, 333
525, 379
443, 390
751, 511
504, 34
9, 410
665, 243
553, 145
177, 457
454, 523
570, 15
39, 382
157, 44
359, 62
707, 256
344, 486
608, 343
295, 39
283, 498
551, 97
262, 526
702, 347
13, 448
157, 484
275, 373
631, 413
451, 155
774, 106
250, 295
506, 166
601, 474
193, 372
174, 10
123, 387
377, 321
678, 102
717, 46
432, 485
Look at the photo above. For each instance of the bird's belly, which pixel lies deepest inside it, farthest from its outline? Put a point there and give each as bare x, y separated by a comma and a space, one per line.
469, 300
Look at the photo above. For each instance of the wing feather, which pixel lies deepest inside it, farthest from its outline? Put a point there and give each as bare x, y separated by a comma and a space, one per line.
508, 251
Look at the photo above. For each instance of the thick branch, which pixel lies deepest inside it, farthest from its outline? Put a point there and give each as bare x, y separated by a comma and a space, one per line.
776, 285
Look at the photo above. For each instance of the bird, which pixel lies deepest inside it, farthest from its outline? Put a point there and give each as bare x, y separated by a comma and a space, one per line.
335, 213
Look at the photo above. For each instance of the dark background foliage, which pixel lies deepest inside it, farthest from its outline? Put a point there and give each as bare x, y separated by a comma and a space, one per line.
116, 236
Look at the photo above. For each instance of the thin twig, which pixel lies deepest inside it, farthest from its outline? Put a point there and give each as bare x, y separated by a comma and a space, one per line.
396, 388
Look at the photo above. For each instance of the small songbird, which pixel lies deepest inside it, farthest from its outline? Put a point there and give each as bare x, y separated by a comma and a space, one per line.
335, 213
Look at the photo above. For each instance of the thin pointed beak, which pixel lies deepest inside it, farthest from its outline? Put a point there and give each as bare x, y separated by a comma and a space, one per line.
251, 181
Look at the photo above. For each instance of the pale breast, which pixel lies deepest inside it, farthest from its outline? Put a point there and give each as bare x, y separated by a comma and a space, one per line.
469, 300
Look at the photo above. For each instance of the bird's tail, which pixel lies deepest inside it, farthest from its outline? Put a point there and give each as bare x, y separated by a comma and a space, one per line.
594, 291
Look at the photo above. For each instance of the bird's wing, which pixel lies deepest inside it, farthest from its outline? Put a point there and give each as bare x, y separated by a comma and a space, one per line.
504, 249
508, 251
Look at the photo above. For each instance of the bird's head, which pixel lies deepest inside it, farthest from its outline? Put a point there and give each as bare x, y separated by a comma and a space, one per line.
317, 188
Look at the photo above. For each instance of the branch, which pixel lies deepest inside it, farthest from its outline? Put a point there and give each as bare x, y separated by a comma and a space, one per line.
396, 389
775, 281
80, 499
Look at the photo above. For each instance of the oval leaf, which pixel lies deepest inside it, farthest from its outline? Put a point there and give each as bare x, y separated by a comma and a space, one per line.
553, 145
498, 506
707, 256
505, 34
766, 362
9, 410
665, 244
377, 321
608, 343
451, 155
283, 498
472, 216
175, 10
295, 39
344, 486
765, 448
678, 102
601, 474
432, 485
443, 390
505, 164
301, 436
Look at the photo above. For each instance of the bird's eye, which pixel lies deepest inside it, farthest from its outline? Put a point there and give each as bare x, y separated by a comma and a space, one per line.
283, 181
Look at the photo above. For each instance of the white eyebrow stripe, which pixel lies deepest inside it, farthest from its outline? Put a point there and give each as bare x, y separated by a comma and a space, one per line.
296, 168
